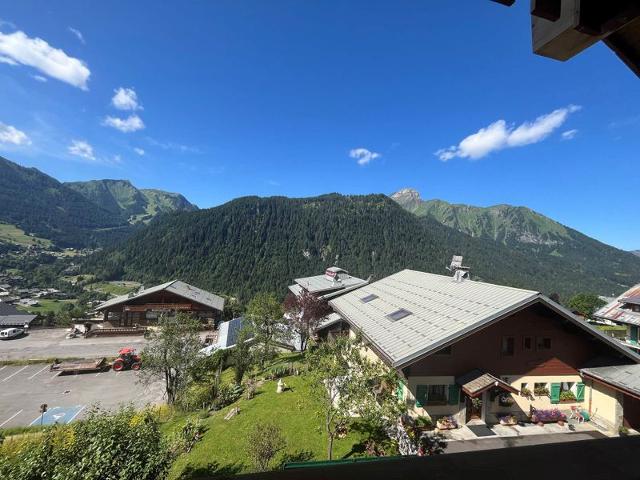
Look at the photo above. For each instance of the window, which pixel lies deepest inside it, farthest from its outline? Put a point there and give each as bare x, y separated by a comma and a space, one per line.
369, 298
540, 390
444, 351
436, 394
543, 343
398, 314
527, 343
508, 346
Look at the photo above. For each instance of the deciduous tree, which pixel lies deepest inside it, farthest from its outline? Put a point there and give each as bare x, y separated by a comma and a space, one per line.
171, 353
585, 304
264, 313
304, 313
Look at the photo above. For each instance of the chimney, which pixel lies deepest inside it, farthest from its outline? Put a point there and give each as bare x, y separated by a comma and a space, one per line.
460, 272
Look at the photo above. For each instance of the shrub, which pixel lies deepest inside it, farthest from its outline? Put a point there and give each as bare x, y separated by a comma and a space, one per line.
227, 394
188, 436
424, 422
126, 445
264, 442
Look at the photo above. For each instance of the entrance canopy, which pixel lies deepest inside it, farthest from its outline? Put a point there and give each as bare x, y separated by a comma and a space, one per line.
477, 381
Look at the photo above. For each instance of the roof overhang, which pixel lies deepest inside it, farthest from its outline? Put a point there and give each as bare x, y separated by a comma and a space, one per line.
477, 382
590, 374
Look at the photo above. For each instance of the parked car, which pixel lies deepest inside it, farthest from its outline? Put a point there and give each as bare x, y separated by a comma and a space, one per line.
11, 333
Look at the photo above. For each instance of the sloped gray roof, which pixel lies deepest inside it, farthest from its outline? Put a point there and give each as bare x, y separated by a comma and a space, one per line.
441, 311
175, 286
320, 283
16, 320
625, 377
329, 320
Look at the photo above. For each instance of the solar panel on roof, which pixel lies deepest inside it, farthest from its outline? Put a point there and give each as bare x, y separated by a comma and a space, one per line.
369, 298
398, 314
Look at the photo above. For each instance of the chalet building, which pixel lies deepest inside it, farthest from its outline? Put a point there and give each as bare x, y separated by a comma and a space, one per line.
335, 282
477, 351
11, 317
146, 306
624, 310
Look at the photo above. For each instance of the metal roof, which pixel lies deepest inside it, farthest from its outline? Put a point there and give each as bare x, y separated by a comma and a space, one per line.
442, 311
625, 377
175, 286
321, 283
16, 320
614, 312
329, 320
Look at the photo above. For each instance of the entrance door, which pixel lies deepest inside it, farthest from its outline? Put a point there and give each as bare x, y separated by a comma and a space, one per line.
473, 407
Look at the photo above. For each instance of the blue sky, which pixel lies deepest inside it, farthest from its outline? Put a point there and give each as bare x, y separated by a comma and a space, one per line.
246, 97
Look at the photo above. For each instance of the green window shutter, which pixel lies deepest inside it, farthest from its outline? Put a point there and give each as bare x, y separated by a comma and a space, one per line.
580, 392
454, 394
555, 393
400, 391
421, 395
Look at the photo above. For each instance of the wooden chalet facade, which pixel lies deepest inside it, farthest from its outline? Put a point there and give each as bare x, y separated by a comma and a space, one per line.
146, 306
480, 352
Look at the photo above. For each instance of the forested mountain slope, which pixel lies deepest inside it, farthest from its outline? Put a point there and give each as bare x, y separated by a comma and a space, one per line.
121, 198
42, 206
255, 244
538, 237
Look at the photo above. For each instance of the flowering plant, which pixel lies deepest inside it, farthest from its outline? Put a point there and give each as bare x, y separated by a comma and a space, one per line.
547, 416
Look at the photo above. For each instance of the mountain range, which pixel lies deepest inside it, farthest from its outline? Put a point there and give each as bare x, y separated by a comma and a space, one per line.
254, 244
77, 214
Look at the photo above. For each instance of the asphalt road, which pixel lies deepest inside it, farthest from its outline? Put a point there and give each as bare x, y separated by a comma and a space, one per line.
51, 343
24, 388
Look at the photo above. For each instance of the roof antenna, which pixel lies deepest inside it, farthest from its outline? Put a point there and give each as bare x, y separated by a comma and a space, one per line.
460, 272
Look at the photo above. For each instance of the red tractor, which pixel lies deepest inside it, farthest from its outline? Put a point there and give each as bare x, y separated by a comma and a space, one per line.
127, 358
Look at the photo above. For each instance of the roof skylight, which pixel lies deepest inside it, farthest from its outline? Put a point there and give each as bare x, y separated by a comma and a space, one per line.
398, 314
369, 298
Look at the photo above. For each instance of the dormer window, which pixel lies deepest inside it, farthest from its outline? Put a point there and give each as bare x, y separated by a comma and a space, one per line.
398, 314
369, 298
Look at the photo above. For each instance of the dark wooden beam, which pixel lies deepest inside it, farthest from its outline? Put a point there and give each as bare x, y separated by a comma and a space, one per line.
547, 9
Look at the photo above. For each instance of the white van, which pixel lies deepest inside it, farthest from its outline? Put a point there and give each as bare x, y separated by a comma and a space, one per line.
10, 333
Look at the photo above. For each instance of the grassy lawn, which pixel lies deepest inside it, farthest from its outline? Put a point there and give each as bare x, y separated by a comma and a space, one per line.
12, 234
113, 288
46, 305
223, 446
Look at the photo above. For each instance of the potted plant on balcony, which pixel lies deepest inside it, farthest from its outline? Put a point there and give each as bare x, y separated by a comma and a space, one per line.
552, 415
508, 419
446, 423
423, 423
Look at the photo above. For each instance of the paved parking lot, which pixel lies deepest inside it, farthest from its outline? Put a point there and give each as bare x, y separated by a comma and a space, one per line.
24, 388
51, 343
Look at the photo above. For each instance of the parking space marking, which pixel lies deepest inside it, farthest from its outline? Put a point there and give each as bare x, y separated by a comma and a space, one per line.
39, 371
15, 373
60, 415
10, 418
2, 368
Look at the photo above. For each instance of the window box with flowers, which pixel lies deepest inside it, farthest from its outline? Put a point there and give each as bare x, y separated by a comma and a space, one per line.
567, 396
541, 390
505, 400
526, 393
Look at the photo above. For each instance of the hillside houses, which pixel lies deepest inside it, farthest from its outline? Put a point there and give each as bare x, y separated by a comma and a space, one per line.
624, 310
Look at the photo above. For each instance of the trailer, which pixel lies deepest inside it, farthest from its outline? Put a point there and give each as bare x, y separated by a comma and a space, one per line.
80, 366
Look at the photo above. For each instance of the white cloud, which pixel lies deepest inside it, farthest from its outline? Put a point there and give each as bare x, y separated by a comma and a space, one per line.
499, 135
130, 124
126, 99
18, 48
10, 134
39, 78
363, 155
7, 60
139, 151
81, 149
78, 34
569, 134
